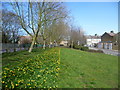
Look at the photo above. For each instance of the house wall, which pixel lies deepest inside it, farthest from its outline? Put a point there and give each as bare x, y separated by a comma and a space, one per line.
107, 37
105, 45
25, 39
64, 43
100, 45
91, 42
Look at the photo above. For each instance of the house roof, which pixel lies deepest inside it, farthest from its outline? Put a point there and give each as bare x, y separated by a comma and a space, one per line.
93, 37
25, 36
111, 34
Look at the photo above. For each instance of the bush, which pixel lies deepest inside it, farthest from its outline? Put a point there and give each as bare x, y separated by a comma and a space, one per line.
76, 46
96, 51
83, 48
40, 71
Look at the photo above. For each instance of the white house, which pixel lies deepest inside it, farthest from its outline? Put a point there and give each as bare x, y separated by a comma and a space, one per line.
92, 41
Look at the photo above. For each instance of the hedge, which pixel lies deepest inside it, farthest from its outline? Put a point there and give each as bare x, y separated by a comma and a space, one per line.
83, 48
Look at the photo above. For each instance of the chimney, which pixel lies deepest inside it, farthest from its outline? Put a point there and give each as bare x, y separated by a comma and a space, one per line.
95, 34
111, 31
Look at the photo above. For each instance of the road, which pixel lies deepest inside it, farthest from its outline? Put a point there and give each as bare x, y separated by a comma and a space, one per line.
106, 51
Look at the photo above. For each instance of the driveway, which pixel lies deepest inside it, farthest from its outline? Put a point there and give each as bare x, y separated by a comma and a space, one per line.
106, 51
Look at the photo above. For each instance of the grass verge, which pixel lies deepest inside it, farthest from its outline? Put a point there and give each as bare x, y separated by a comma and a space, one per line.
81, 69
40, 70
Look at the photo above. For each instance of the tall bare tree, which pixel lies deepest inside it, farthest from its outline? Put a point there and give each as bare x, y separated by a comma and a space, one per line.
77, 36
59, 31
52, 16
35, 17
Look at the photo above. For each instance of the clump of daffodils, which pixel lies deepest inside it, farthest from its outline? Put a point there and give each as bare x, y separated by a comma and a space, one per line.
40, 71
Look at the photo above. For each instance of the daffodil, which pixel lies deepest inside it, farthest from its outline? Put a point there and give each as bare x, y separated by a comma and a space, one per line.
3, 81
12, 84
16, 84
28, 84
6, 68
39, 75
19, 81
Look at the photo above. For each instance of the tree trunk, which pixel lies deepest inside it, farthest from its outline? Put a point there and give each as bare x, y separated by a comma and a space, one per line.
32, 44
44, 44
50, 43
72, 44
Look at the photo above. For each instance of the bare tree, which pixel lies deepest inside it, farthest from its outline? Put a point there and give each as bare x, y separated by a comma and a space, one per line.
77, 36
52, 16
10, 27
59, 31
35, 17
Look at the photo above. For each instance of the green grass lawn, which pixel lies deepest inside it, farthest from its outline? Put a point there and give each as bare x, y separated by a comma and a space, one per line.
81, 69
59, 67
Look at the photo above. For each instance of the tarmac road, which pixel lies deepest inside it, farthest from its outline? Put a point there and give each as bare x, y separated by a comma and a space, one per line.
106, 51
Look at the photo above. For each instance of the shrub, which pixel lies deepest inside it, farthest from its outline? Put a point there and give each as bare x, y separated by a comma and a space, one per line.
84, 48
96, 51
76, 46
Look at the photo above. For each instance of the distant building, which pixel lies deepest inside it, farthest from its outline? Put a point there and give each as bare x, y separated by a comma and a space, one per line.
24, 40
108, 41
108, 37
64, 43
92, 41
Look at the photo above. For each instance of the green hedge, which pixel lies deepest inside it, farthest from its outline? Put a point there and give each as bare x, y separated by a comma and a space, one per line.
96, 51
76, 46
83, 48
40, 71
